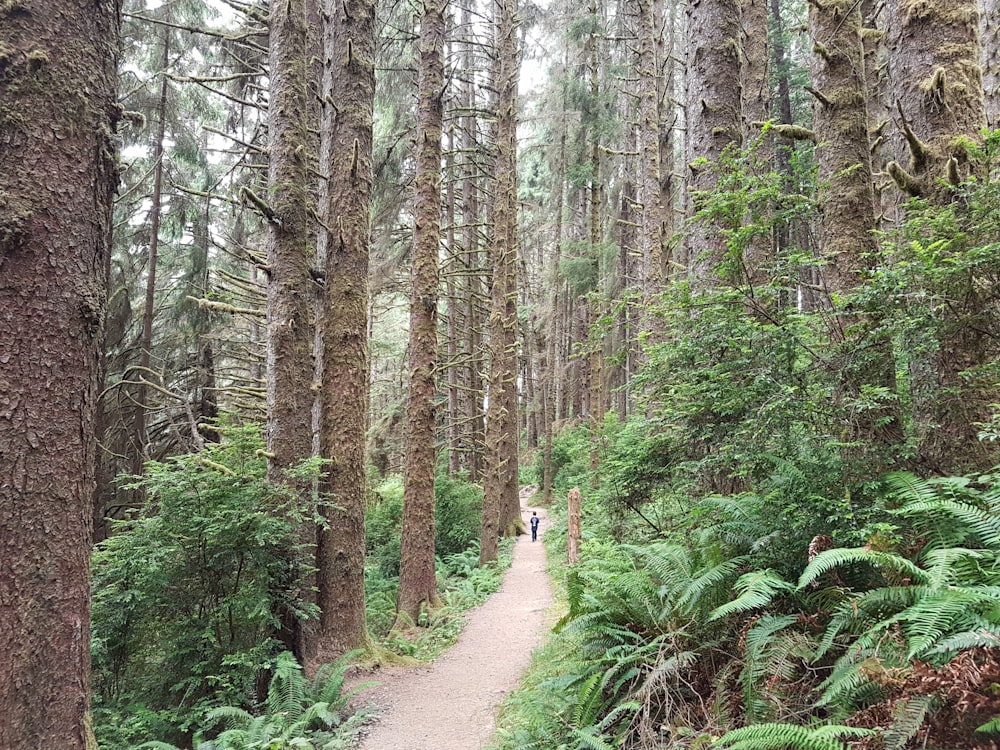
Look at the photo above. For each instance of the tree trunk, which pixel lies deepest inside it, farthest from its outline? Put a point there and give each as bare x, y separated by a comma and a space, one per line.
847, 228
990, 35
290, 257
345, 240
417, 582
713, 120
139, 437
58, 174
934, 64
501, 507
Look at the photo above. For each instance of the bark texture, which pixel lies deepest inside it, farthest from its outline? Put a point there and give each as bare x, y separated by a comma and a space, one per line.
417, 581
846, 196
291, 255
500, 502
346, 155
936, 76
713, 118
58, 172
847, 222
990, 34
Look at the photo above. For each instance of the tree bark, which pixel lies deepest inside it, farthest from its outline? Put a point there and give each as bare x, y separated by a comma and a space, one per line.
290, 257
989, 14
417, 581
847, 228
345, 240
58, 172
501, 507
139, 439
713, 120
936, 75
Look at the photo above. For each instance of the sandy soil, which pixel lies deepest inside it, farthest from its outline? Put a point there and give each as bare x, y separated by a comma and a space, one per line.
452, 703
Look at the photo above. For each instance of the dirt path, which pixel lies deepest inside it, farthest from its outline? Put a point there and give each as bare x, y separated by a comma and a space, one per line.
452, 703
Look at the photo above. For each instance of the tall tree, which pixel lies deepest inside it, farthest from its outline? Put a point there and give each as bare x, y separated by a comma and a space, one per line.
291, 255
58, 172
936, 77
417, 577
500, 503
713, 116
848, 223
345, 240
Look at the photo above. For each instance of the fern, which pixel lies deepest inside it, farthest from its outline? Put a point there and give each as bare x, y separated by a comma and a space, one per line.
788, 737
908, 717
826, 561
757, 589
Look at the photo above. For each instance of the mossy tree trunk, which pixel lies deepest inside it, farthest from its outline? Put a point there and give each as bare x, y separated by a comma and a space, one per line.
473, 418
936, 76
713, 120
291, 254
990, 33
501, 507
417, 581
58, 173
847, 226
345, 241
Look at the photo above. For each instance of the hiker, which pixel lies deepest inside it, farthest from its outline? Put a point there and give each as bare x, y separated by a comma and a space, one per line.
534, 525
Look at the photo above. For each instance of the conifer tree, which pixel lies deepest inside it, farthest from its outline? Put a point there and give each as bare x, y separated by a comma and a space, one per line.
58, 173
417, 578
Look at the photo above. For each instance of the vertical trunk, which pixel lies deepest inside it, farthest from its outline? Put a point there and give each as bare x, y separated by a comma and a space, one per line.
934, 66
454, 428
501, 507
989, 13
553, 369
473, 280
139, 441
783, 151
290, 256
651, 221
713, 120
417, 583
755, 90
57, 179
346, 158
847, 226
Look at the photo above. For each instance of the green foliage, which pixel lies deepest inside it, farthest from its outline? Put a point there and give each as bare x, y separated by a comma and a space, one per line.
297, 714
457, 512
187, 591
789, 737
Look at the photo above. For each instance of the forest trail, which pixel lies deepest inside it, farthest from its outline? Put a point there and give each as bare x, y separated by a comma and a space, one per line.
451, 704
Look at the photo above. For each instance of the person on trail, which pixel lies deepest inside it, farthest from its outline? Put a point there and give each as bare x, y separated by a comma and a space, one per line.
534, 525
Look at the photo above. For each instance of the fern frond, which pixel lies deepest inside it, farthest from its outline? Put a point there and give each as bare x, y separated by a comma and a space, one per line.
907, 717
707, 581
990, 727
826, 561
757, 589
788, 737
982, 638
231, 715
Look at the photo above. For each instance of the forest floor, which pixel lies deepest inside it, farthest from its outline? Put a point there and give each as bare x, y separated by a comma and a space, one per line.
452, 703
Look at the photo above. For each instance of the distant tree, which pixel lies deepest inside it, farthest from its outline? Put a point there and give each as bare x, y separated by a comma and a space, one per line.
345, 241
58, 173
417, 577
